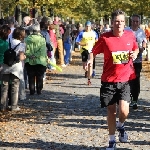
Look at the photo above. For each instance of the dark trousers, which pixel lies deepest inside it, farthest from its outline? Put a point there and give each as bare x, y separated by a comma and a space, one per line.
35, 75
10, 86
135, 84
94, 63
25, 77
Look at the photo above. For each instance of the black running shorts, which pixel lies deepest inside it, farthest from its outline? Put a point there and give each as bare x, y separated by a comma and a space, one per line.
111, 93
85, 55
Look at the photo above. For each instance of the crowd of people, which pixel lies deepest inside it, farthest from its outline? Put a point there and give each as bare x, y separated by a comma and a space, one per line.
38, 41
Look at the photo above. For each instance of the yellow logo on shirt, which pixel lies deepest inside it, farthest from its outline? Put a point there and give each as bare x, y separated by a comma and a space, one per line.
88, 37
120, 57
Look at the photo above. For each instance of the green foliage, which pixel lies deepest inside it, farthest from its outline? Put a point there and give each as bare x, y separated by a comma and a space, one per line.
81, 9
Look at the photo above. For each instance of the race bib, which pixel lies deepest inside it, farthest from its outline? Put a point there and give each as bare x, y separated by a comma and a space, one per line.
120, 57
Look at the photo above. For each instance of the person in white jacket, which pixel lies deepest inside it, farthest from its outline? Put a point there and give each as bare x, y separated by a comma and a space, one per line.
13, 74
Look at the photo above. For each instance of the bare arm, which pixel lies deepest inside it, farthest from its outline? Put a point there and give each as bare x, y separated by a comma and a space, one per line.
144, 44
143, 47
81, 44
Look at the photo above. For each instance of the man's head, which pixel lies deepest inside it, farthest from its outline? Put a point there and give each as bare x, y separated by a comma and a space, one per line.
118, 21
43, 25
135, 21
50, 24
88, 26
11, 23
19, 33
107, 26
45, 19
27, 20
35, 27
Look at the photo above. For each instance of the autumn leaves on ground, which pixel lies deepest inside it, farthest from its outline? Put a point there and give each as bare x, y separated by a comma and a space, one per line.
146, 69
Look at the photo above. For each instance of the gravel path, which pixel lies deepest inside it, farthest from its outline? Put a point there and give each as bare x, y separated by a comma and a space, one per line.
67, 116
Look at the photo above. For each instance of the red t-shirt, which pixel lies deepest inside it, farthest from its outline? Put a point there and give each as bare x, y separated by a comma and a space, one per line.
118, 66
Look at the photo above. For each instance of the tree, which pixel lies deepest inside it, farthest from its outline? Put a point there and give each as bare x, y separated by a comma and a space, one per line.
80, 8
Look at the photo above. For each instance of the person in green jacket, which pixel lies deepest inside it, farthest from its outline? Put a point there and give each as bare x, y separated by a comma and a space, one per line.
4, 32
36, 59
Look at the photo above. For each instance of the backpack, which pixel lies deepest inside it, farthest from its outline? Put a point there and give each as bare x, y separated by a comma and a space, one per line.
10, 56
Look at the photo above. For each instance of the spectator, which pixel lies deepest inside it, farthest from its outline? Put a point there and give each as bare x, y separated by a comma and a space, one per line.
11, 25
4, 32
54, 41
14, 73
59, 42
147, 32
36, 59
67, 44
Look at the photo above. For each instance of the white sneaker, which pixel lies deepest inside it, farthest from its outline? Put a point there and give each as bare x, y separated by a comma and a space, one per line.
63, 65
16, 109
123, 136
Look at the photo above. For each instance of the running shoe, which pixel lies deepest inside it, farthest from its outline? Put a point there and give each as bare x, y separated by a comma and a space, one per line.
93, 74
89, 82
135, 106
112, 145
123, 136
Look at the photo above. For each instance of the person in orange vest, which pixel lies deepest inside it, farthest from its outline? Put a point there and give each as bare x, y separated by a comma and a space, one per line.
147, 32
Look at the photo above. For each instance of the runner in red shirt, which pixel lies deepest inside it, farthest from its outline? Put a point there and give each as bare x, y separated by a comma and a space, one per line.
120, 49
118, 65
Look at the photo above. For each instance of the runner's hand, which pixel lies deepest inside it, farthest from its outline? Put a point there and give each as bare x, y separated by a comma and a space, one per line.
90, 61
133, 55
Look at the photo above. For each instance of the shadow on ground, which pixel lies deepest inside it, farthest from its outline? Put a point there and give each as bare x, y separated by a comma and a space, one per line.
50, 106
38, 144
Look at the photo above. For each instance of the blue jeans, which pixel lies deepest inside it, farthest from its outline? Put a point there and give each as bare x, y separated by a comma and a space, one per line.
67, 48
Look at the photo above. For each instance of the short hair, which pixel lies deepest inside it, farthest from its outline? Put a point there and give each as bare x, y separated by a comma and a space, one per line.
11, 21
4, 32
43, 25
45, 19
116, 13
135, 15
19, 33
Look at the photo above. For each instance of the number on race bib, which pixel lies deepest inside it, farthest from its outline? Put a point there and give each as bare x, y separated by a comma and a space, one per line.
120, 57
